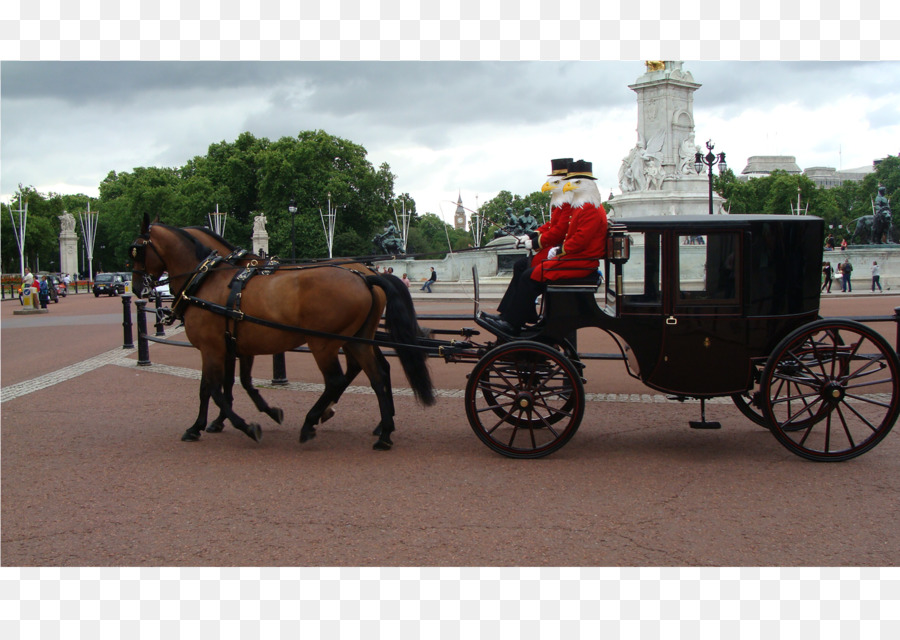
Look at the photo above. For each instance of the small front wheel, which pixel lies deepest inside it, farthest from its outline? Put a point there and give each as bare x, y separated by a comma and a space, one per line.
524, 399
831, 390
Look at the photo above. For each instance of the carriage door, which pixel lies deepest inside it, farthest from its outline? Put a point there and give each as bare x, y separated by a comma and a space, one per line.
704, 344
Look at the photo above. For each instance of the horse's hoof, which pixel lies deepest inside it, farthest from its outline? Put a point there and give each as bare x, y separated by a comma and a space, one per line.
277, 415
254, 431
306, 435
381, 445
215, 427
190, 436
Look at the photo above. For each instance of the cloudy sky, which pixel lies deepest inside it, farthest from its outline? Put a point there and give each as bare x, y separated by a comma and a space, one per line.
445, 128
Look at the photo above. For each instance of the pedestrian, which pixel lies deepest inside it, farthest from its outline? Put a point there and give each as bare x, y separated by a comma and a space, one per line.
828, 274
406, 280
431, 280
44, 292
829, 242
876, 276
846, 270
844, 244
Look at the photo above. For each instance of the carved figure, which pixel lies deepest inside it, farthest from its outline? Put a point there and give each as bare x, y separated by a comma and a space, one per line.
66, 222
686, 154
259, 224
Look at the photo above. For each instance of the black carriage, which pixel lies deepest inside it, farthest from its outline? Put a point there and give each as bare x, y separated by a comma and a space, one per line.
701, 307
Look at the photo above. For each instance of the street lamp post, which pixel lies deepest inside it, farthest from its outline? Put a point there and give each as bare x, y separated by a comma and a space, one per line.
292, 208
710, 160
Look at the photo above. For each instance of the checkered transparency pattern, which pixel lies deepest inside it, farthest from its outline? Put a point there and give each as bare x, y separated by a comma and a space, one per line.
450, 30
450, 602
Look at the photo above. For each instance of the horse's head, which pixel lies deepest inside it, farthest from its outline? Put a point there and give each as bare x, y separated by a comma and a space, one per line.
147, 263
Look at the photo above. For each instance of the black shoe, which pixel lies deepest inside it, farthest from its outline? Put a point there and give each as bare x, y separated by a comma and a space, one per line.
502, 326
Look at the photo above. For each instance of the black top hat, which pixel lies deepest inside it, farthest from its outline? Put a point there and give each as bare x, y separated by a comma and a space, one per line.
559, 166
581, 169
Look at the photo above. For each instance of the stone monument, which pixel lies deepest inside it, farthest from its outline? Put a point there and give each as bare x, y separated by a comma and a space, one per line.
657, 177
68, 244
260, 238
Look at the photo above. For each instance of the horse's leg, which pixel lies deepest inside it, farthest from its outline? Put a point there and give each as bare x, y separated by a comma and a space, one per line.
213, 371
247, 382
325, 354
193, 432
377, 369
218, 424
353, 370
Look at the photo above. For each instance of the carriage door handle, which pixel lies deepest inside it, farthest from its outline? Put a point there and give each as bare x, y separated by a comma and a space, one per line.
671, 320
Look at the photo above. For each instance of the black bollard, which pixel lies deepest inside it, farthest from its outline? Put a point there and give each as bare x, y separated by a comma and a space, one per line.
160, 327
126, 321
143, 343
279, 371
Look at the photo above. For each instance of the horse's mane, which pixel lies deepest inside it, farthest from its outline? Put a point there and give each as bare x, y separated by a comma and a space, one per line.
215, 236
201, 251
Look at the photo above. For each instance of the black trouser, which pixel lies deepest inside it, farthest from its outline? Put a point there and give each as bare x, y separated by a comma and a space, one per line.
518, 304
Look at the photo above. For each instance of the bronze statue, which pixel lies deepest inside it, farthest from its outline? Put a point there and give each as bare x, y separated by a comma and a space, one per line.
389, 241
882, 221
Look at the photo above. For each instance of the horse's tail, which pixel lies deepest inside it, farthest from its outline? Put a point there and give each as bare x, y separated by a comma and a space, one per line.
400, 318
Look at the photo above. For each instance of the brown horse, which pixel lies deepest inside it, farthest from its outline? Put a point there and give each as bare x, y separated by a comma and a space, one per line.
217, 243
324, 306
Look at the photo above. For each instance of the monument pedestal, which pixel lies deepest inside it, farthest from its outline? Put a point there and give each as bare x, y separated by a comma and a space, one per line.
687, 195
260, 243
68, 252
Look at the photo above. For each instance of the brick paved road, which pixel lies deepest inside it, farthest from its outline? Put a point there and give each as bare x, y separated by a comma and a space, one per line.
94, 473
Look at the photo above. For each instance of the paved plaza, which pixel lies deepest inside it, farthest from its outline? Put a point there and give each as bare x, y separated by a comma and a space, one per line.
94, 472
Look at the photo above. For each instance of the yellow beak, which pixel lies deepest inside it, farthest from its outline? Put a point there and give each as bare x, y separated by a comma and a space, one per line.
547, 187
570, 185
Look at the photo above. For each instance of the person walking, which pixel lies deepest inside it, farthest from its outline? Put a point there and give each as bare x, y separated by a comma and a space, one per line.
828, 274
405, 280
431, 280
846, 270
876, 276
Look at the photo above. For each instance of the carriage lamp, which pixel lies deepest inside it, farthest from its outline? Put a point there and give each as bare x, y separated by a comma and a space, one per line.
618, 248
710, 160
292, 209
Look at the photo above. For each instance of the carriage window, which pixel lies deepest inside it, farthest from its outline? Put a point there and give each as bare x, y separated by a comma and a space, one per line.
641, 274
707, 268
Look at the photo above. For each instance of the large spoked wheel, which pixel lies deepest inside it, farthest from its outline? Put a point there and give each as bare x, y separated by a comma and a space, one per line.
831, 390
524, 399
511, 414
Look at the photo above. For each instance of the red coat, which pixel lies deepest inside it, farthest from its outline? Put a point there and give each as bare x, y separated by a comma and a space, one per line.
582, 249
551, 234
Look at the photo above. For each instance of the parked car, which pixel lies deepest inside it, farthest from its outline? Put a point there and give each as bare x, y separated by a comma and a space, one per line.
111, 284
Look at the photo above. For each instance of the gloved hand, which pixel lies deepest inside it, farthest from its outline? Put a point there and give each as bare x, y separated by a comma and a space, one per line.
553, 253
523, 241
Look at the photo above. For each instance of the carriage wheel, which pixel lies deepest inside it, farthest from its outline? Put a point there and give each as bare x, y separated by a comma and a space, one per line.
508, 412
524, 399
831, 390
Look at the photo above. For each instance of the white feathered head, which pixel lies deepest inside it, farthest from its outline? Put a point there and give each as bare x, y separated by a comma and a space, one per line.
582, 185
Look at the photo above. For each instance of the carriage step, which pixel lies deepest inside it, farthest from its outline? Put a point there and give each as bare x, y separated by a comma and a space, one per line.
703, 424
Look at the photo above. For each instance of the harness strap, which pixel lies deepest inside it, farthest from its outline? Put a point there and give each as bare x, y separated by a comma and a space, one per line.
237, 314
238, 282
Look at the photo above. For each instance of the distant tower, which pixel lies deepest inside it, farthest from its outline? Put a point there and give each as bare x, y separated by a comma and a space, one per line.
459, 218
